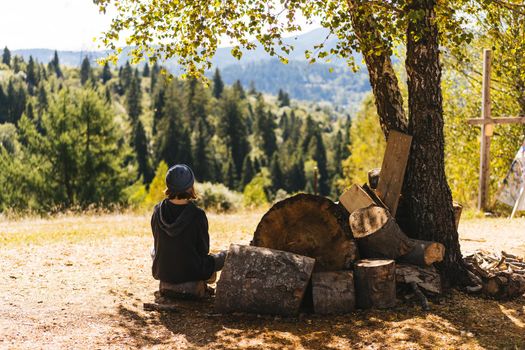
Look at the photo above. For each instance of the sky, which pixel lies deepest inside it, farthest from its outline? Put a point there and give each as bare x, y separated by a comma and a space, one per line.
55, 24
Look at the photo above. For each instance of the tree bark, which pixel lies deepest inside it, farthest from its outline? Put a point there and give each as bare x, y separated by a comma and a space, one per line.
376, 52
333, 292
262, 280
426, 194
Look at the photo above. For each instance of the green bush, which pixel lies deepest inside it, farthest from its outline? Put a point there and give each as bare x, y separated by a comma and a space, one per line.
255, 192
217, 197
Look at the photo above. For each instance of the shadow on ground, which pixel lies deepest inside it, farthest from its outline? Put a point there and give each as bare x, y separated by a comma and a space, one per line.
454, 322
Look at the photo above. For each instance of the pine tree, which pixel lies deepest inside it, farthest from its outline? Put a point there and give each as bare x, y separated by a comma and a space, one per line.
232, 129
134, 99
145, 71
218, 84
230, 178
197, 102
140, 145
55, 64
31, 75
283, 98
125, 76
154, 75
158, 106
16, 64
16, 101
3, 106
42, 98
106, 75
247, 172
202, 162
85, 71
265, 128
6, 57
239, 90
276, 173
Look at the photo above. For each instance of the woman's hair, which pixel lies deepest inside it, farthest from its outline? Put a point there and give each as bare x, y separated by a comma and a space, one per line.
188, 194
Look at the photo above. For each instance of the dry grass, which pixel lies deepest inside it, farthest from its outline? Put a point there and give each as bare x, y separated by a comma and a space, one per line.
80, 281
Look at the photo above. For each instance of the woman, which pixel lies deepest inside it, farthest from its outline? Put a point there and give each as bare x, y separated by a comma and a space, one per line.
180, 232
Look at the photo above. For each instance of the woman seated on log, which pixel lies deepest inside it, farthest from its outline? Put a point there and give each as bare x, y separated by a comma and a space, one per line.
180, 231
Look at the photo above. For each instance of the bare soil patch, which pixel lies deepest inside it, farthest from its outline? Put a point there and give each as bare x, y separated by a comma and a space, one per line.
80, 282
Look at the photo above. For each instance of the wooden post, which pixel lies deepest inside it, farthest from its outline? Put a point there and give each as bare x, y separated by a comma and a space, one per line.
315, 180
486, 133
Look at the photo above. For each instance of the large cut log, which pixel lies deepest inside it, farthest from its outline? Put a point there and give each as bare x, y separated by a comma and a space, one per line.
424, 253
375, 283
378, 235
427, 278
309, 225
262, 280
355, 198
333, 292
393, 169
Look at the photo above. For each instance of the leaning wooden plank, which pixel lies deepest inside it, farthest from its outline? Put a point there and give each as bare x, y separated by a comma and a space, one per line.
375, 283
378, 235
333, 292
262, 280
427, 278
425, 253
355, 198
393, 169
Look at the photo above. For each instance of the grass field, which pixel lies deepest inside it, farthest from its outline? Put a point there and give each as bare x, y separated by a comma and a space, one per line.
80, 281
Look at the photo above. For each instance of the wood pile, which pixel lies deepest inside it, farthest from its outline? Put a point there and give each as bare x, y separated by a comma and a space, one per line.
347, 254
502, 275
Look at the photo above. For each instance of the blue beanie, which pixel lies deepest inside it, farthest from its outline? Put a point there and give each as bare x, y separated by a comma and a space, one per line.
179, 178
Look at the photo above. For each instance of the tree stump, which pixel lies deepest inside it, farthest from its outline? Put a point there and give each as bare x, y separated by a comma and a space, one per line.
262, 280
427, 278
378, 235
425, 253
312, 226
333, 292
375, 283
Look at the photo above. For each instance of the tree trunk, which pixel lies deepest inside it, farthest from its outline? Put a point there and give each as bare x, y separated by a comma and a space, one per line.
426, 195
309, 225
262, 280
376, 52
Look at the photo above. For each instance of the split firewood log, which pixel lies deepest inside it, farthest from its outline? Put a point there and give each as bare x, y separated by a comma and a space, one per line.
262, 280
427, 278
312, 226
378, 235
373, 177
375, 283
424, 253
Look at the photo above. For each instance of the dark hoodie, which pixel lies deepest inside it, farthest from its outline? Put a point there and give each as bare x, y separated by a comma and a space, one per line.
182, 243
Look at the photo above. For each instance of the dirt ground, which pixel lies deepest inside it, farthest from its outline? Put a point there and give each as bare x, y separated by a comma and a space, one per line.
80, 282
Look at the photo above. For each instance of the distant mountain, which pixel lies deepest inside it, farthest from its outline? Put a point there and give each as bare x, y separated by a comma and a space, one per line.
301, 80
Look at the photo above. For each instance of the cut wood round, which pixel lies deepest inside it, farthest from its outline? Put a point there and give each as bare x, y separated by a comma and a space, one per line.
262, 280
378, 235
425, 253
312, 226
333, 292
375, 283
427, 278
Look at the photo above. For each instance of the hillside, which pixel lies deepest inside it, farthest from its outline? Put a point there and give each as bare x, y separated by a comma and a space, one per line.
303, 81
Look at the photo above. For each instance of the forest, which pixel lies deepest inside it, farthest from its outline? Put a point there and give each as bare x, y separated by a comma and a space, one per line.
99, 136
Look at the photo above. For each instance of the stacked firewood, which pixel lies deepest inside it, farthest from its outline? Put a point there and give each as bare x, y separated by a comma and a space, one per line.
502, 276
